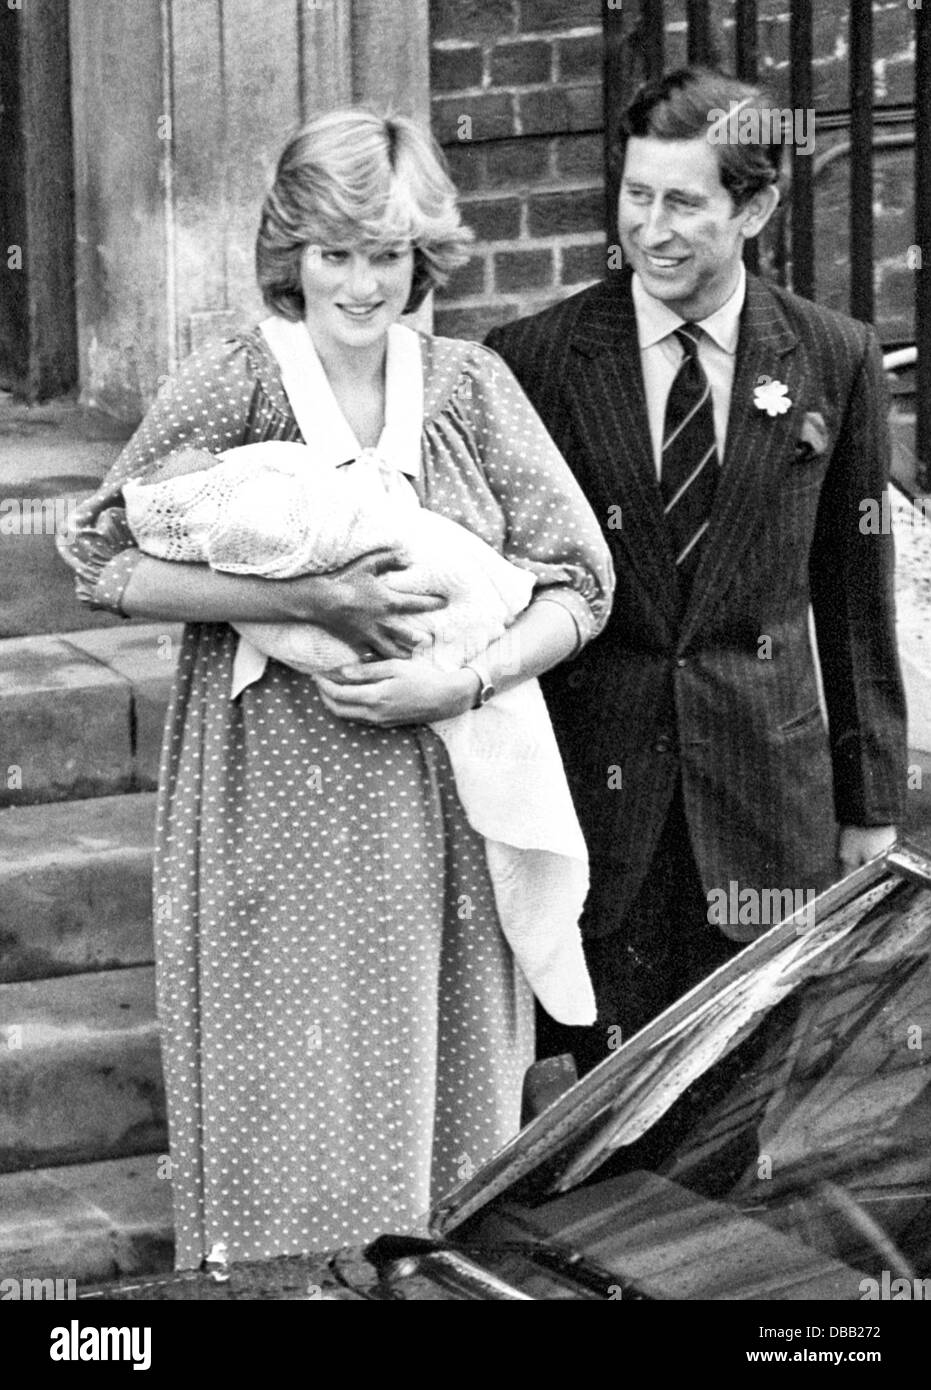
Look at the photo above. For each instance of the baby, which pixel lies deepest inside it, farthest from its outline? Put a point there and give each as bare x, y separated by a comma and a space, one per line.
265, 509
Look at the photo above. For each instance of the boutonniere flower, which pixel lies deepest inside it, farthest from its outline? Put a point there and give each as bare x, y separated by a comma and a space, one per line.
771, 396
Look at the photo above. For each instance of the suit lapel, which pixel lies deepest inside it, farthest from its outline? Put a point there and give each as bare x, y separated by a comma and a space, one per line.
755, 442
608, 405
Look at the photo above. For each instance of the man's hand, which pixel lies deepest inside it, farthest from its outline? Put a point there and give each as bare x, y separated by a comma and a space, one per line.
389, 693
860, 843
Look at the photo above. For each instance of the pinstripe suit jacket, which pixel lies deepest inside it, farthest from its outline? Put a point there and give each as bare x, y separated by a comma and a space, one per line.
725, 692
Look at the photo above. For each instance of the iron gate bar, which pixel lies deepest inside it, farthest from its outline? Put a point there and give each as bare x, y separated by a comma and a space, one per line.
654, 38
892, 140
614, 98
746, 60
700, 48
862, 304
746, 41
923, 242
803, 203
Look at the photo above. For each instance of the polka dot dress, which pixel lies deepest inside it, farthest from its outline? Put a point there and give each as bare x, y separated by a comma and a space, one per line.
344, 1029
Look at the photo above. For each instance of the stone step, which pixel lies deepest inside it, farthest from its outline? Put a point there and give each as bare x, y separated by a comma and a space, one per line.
75, 886
80, 1069
81, 714
87, 1222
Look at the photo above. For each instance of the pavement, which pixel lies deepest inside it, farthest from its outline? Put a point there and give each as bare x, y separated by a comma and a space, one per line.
290, 1278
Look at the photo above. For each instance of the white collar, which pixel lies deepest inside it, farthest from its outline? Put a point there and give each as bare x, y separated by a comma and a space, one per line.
324, 426
655, 320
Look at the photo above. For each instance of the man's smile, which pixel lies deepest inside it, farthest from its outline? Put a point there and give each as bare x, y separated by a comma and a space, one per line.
656, 262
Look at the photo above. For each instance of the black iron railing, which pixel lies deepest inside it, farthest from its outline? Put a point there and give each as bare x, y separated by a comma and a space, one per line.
636, 48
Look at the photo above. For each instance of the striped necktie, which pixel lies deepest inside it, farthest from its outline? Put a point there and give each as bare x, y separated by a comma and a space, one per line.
689, 469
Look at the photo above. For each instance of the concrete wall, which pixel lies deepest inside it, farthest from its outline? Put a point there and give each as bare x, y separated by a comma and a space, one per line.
180, 110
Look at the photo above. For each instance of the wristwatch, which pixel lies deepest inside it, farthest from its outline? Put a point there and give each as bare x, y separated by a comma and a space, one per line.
485, 687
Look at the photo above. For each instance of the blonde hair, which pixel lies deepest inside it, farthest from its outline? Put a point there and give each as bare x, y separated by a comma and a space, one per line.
353, 176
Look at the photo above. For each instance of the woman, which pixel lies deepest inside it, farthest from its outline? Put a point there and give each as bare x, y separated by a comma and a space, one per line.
344, 1028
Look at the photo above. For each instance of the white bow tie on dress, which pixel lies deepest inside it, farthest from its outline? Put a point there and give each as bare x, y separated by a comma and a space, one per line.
327, 432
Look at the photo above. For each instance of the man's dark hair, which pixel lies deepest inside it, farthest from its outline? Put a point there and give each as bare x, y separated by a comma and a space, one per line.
691, 101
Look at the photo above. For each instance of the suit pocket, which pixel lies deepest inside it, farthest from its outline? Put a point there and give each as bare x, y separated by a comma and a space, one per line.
809, 719
804, 475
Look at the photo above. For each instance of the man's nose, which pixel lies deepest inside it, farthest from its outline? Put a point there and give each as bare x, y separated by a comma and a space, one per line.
656, 228
362, 279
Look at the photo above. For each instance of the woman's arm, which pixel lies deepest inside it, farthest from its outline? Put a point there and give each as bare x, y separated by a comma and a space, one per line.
550, 527
173, 592
365, 602
419, 692
207, 406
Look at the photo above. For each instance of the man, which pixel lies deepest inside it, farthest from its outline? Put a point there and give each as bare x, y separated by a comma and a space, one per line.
727, 433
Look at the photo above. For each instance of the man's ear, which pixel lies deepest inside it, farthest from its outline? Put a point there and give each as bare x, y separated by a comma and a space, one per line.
758, 210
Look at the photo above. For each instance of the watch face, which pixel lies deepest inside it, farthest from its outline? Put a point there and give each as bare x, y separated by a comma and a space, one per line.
485, 688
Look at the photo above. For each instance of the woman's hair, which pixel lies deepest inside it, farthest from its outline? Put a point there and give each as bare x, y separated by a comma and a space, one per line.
352, 176
692, 101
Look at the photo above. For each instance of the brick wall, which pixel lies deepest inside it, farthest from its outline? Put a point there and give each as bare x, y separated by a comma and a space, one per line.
517, 107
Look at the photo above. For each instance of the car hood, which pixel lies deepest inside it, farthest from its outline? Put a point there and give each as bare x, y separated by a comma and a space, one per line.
868, 937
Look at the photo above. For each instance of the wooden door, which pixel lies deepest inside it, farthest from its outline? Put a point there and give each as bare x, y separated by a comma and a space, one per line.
38, 356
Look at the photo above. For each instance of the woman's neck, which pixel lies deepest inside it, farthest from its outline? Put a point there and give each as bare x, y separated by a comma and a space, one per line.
357, 380
358, 367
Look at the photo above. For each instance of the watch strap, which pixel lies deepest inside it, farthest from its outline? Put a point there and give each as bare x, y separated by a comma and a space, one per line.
485, 687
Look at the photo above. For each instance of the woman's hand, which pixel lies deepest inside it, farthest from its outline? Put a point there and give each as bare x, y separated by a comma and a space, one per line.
371, 603
397, 692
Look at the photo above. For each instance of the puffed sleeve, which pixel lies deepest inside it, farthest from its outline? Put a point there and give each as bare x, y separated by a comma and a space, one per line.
209, 404
551, 528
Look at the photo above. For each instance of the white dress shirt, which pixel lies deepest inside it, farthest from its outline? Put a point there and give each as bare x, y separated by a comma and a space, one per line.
661, 353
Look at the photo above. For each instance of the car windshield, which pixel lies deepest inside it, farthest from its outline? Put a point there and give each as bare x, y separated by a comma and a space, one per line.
781, 1109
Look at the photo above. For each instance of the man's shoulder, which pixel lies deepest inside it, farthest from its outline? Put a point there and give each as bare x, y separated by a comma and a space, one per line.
557, 322
816, 323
